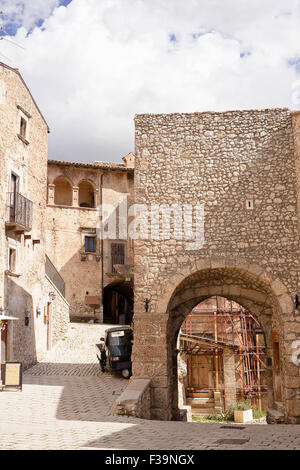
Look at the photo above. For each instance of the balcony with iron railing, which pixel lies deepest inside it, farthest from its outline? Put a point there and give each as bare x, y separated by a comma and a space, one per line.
19, 213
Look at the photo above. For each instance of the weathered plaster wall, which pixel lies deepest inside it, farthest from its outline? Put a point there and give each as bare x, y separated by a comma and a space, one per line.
26, 291
59, 313
65, 243
29, 162
67, 227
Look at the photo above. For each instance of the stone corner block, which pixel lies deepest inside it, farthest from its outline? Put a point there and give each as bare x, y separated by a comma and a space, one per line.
135, 399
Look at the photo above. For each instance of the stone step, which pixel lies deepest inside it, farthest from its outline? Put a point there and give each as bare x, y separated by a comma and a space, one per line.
204, 412
201, 403
201, 394
274, 416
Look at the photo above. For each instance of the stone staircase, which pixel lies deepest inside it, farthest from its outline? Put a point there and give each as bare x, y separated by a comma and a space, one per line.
204, 402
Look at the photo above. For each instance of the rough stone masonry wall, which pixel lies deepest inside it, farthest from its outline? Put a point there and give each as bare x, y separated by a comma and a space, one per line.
296, 132
135, 400
222, 160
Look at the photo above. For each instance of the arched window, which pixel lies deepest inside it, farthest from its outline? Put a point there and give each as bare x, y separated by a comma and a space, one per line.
63, 192
86, 195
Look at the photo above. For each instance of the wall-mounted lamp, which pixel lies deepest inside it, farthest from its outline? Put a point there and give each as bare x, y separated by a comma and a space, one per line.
52, 295
38, 311
147, 301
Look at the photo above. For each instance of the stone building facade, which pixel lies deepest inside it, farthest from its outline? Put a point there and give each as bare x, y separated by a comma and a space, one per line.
28, 313
242, 168
234, 176
94, 288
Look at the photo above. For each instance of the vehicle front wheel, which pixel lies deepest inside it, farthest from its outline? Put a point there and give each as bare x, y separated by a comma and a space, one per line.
126, 373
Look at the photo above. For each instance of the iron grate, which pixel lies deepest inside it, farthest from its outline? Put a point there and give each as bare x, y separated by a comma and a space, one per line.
233, 441
232, 427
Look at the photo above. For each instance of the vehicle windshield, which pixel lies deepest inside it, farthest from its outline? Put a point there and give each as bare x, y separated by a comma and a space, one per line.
119, 342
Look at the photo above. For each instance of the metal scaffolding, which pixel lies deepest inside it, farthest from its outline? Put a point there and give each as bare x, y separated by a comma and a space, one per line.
226, 324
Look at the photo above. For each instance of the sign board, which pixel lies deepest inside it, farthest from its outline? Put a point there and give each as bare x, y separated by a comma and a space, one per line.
92, 300
115, 334
12, 375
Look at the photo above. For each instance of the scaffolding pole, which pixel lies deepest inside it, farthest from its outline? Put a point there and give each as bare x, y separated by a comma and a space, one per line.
216, 351
241, 324
258, 373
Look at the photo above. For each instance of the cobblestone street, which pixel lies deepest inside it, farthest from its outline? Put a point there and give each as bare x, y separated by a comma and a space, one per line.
67, 403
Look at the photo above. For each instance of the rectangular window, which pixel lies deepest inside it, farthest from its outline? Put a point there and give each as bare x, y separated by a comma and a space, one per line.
117, 255
89, 244
12, 260
14, 183
23, 125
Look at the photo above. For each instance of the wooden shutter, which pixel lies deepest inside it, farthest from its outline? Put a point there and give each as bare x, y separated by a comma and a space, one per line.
117, 255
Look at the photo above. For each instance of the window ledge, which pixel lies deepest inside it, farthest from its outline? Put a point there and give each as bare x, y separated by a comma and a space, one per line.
60, 206
23, 111
12, 274
84, 254
23, 140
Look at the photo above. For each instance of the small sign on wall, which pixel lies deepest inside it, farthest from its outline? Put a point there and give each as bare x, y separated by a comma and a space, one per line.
12, 375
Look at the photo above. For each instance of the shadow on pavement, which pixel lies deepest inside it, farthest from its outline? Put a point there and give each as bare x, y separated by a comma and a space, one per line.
87, 393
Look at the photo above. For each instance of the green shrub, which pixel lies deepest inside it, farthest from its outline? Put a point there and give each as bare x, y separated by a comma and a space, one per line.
239, 405
242, 405
259, 413
211, 418
214, 417
229, 413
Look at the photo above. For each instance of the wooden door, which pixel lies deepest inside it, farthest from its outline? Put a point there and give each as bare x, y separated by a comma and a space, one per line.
13, 195
3, 335
199, 374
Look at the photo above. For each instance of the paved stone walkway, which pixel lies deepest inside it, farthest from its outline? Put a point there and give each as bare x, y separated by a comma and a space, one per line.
67, 403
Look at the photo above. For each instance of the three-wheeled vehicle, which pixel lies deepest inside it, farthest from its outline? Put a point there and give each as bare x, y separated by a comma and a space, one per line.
115, 350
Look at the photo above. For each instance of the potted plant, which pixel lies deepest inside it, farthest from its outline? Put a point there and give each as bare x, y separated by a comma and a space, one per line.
243, 413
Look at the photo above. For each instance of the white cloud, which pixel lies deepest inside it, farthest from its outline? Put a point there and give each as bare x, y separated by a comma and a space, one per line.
26, 12
93, 65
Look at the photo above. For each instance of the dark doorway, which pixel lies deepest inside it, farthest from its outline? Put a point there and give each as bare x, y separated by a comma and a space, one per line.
118, 303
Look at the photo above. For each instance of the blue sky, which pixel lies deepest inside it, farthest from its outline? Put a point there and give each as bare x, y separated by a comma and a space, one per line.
93, 64
12, 17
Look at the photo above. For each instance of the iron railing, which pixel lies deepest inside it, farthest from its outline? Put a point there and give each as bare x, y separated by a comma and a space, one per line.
54, 276
19, 210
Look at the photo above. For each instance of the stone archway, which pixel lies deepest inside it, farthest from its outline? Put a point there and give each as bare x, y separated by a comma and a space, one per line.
63, 191
234, 284
266, 298
86, 196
